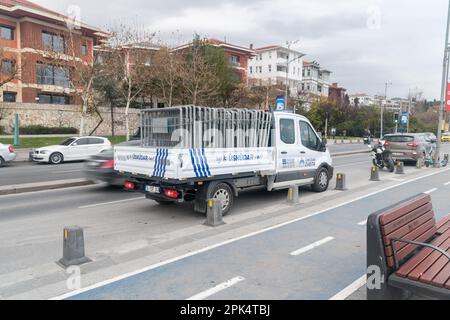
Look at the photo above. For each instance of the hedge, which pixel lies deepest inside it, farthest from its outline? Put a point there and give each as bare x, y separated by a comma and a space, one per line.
47, 130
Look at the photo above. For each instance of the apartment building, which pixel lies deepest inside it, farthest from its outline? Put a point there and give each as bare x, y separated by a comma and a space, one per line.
277, 65
237, 56
362, 100
36, 41
316, 80
336, 93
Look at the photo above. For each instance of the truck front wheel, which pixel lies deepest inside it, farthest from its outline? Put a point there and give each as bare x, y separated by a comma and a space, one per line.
322, 181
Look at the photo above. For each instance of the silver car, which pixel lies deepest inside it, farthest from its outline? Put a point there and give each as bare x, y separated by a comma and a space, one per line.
7, 153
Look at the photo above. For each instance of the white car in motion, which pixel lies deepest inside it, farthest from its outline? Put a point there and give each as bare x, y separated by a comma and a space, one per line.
7, 153
72, 149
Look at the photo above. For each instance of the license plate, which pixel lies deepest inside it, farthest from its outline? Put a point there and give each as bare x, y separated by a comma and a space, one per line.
152, 189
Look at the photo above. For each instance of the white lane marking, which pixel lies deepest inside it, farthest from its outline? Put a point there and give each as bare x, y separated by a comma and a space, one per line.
232, 240
112, 202
220, 287
363, 223
447, 184
68, 171
396, 179
348, 291
431, 191
311, 246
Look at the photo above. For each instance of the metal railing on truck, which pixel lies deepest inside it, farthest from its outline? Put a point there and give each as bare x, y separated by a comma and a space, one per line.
205, 127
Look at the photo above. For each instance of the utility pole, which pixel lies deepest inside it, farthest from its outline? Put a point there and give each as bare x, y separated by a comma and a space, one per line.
409, 111
382, 109
288, 44
443, 92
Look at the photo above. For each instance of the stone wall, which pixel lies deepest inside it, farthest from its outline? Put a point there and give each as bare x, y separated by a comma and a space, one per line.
66, 116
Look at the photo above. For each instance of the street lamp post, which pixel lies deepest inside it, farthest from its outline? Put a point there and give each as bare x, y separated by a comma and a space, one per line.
288, 44
443, 92
382, 109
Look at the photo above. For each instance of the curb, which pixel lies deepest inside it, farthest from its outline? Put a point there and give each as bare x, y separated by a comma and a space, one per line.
42, 186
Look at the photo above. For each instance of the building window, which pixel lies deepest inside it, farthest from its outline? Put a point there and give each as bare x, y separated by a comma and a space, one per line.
46, 98
8, 67
53, 42
260, 56
9, 96
6, 33
270, 68
251, 69
52, 75
84, 49
235, 60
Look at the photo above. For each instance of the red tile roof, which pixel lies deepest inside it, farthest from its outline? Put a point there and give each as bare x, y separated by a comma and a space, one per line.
28, 4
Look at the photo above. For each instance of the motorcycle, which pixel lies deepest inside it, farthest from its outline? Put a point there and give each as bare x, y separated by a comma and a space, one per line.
381, 157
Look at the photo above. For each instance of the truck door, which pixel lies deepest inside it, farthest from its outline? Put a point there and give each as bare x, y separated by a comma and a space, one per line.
310, 142
290, 152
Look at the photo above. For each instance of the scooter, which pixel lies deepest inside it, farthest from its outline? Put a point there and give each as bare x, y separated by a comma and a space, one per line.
381, 157
429, 158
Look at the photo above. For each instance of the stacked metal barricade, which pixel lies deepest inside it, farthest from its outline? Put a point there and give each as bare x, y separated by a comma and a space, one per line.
204, 127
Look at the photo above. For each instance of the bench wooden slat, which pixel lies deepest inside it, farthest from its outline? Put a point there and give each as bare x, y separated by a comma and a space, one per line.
443, 221
423, 233
443, 276
396, 212
408, 249
422, 267
407, 219
410, 265
404, 231
429, 275
443, 228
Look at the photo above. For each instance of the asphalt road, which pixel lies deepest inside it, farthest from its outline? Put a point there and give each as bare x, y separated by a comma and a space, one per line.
275, 264
27, 172
125, 232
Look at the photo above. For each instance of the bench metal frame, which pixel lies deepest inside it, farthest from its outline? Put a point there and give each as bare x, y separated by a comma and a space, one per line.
394, 287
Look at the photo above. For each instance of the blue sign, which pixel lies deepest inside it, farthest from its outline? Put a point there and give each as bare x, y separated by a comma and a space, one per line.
280, 103
404, 118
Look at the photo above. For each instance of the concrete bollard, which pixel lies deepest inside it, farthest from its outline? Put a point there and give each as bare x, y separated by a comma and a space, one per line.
293, 195
73, 247
375, 174
420, 163
214, 216
400, 168
341, 184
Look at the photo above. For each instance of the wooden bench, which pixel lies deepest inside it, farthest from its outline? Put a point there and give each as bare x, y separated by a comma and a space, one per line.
411, 250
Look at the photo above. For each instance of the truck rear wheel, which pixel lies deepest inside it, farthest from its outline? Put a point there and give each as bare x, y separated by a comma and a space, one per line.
223, 192
322, 181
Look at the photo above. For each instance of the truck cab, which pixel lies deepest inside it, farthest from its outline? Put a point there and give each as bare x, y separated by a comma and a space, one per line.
302, 158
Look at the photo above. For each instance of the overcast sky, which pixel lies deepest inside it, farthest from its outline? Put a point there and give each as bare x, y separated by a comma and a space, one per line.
366, 43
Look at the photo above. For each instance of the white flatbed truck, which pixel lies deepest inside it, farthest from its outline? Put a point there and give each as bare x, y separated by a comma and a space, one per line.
195, 153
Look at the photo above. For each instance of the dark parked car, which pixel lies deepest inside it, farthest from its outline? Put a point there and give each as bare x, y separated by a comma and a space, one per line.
408, 146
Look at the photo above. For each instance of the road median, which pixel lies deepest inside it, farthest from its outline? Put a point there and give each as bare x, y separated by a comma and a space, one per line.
42, 186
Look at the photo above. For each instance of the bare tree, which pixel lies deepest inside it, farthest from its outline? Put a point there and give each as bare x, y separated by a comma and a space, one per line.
166, 68
129, 45
199, 77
